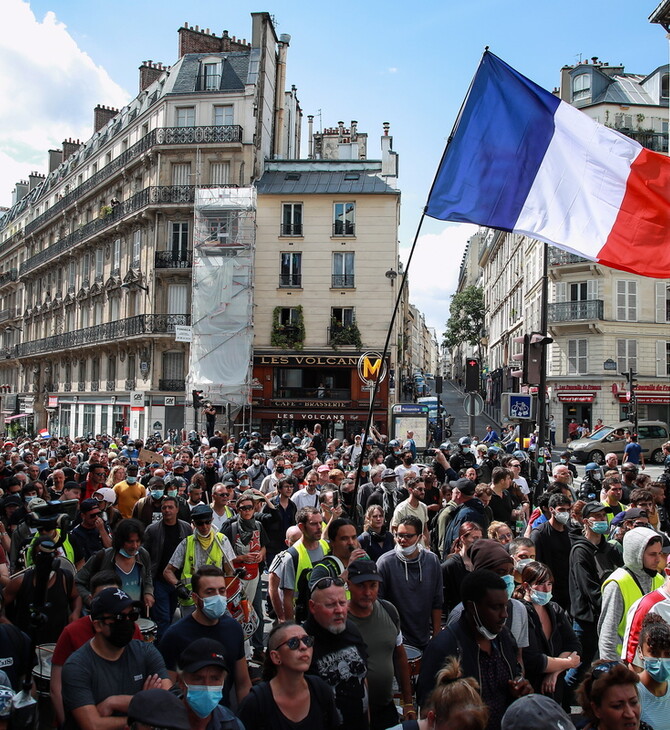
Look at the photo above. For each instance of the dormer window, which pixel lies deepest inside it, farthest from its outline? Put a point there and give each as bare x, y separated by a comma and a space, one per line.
209, 76
665, 86
581, 87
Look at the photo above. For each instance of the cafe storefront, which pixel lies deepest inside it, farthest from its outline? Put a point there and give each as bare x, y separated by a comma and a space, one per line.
291, 392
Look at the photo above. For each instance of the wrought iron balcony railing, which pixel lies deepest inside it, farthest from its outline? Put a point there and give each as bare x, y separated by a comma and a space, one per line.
162, 136
173, 194
571, 311
558, 257
173, 259
290, 280
342, 281
291, 229
9, 276
142, 324
344, 228
172, 385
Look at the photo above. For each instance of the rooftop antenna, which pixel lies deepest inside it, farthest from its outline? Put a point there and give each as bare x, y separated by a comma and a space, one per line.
318, 114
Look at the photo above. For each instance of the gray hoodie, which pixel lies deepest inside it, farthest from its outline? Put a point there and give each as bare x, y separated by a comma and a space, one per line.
635, 542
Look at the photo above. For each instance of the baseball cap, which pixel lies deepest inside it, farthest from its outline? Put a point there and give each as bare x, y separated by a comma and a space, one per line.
177, 465
109, 495
634, 513
110, 601
201, 512
534, 711
592, 507
202, 653
388, 473
362, 570
158, 708
88, 505
464, 486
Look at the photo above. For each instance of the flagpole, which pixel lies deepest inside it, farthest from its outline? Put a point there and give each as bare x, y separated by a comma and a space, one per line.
403, 281
542, 385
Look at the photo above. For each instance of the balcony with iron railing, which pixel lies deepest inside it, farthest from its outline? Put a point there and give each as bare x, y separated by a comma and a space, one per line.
290, 229
342, 281
9, 276
163, 136
9, 313
575, 311
178, 386
656, 141
290, 280
120, 329
173, 259
558, 257
168, 194
344, 228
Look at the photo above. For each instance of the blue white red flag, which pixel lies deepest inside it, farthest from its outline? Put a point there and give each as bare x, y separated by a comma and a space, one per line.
522, 160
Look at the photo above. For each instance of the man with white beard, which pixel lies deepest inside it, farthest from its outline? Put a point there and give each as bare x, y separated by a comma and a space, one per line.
340, 655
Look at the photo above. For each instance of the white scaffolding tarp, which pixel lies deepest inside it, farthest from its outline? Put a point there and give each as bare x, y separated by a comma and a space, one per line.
222, 300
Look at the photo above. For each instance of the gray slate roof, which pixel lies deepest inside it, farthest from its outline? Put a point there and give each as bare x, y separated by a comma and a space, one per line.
235, 71
329, 182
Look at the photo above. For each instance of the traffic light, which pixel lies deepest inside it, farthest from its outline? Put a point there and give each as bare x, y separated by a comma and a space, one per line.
197, 399
438, 384
536, 343
471, 375
521, 357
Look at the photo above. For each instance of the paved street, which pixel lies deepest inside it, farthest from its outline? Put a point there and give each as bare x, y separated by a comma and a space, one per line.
452, 400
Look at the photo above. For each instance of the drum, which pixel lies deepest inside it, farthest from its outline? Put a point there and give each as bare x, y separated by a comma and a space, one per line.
239, 607
414, 660
148, 629
42, 670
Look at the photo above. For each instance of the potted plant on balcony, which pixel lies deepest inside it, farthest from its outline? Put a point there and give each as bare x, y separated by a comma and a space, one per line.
288, 336
341, 334
105, 211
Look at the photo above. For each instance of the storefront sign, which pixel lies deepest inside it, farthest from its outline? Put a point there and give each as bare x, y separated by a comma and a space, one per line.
310, 416
310, 404
371, 368
330, 360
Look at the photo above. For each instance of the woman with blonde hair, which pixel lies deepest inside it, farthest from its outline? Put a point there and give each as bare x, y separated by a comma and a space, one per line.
116, 474
454, 703
375, 538
500, 532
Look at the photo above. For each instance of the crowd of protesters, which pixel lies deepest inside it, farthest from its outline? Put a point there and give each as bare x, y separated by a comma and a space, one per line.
299, 581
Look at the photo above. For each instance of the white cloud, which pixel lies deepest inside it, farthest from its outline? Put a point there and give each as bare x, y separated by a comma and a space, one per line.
393, 70
433, 274
48, 89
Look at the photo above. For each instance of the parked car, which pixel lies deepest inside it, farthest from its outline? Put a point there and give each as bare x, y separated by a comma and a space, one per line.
651, 436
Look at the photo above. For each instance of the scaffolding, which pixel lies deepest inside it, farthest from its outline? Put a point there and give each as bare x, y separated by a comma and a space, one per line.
221, 352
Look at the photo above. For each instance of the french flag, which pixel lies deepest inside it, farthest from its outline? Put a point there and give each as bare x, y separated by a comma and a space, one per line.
43, 433
522, 160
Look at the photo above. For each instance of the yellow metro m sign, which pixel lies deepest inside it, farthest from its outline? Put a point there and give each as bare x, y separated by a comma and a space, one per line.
371, 367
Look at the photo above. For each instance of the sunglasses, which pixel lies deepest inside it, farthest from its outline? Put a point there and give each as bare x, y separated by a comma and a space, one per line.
202, 523
245, 507
604, 668
327, 582
294, 642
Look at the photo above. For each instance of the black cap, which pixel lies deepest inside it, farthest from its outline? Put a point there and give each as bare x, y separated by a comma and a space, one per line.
72, 485
202, 653
464, 486
89, 505
158, 708
361, 570
201, 512
110, 601
591, 508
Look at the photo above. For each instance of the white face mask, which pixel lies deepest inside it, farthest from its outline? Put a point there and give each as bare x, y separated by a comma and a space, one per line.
406, 551
562, 517
257, 462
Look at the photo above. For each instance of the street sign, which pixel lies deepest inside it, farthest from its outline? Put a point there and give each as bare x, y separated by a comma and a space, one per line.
371, 367
410, 417
519, 406
609, 364
473, 404
182, 333
170, 400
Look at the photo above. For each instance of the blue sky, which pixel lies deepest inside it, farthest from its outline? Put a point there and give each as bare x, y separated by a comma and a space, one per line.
371, 61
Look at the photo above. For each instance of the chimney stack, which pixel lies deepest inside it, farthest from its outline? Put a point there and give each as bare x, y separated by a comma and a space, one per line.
35, 179
101, 115
149, 72
55, 158
70, 146
21, 189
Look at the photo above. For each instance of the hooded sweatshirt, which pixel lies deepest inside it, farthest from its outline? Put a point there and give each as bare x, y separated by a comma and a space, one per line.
635, 542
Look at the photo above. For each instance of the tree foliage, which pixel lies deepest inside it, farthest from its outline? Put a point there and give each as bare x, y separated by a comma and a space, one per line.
466, 317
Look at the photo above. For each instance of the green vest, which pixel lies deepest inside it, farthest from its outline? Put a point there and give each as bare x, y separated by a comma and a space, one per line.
66, 547
215, 557
630, 592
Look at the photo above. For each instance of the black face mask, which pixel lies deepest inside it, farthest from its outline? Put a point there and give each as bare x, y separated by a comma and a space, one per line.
121, 633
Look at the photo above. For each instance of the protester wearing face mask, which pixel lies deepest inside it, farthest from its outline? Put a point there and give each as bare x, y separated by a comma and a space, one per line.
654, 656
129, 491
148, 509
553, 647
592, 560
100, 678
202, 673
209, 621
552, 546
257, 471
485, 646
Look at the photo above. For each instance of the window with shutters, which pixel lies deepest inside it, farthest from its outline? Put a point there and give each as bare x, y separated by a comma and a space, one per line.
185, 116
99, 264
219, 173
626, 300
577, 357
137, 247
116, 256
626, 351
177, 299
662, 301
179, 240
181, 173
85, 270
173, 366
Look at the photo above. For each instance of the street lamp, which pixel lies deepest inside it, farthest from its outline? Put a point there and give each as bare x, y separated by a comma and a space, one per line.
134, 285
391, 275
